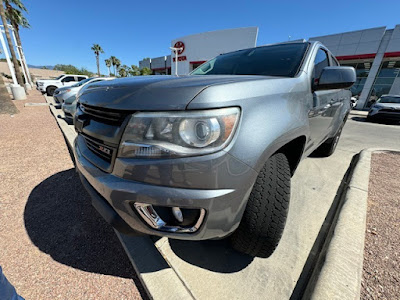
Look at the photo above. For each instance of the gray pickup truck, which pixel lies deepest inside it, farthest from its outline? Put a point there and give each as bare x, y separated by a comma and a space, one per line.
210, 155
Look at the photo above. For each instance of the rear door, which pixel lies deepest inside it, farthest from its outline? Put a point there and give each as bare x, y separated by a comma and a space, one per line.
321, 113
68, 80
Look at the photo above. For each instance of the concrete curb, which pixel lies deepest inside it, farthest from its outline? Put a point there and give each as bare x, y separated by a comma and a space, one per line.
340, 276
69, 133
158, 278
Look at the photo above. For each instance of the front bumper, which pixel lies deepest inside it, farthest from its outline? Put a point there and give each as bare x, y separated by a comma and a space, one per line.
384, 115
69, 110
223, 207
58, 98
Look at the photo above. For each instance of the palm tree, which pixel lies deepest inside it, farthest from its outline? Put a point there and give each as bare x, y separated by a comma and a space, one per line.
108, 65
97, 50
16, 18
10, 45
113, 63
123, 71
117, 64
134, 70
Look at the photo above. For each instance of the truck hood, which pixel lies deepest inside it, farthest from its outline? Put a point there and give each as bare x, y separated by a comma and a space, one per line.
155, 92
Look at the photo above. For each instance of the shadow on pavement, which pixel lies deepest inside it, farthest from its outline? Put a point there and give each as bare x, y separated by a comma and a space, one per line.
359, 119
376, 121
61, 222
216, 256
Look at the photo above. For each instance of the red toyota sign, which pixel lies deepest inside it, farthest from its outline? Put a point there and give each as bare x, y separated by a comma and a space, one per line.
181, 45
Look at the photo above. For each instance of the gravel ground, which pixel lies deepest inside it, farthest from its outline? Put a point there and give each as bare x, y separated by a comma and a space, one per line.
6, 104
53, 243
381, 270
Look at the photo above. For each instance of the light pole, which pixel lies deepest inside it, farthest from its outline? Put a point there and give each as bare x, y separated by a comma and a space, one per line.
176, 58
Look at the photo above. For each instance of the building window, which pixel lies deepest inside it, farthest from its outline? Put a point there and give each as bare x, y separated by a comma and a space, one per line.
389, 70
362, 71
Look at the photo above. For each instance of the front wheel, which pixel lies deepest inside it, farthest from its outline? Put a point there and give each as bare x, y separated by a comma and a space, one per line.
50, 90
265, 215
329, 146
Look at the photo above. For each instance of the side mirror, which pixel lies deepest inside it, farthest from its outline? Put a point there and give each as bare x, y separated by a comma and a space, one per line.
336, 78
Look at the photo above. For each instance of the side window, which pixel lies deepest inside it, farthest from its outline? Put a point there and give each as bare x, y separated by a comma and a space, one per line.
80, 78
68, 79
335, 63
321, 61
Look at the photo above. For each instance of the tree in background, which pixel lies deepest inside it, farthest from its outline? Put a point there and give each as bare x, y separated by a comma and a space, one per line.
97, 50
70, 69
117, 64
123, 70
10, 45
113, 61
146, 71
134, 70
108, 65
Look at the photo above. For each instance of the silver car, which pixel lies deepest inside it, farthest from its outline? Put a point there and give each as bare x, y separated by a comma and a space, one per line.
63, 93
67, 96
210, 155
386, 108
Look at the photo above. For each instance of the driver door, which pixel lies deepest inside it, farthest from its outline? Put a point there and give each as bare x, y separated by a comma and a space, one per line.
321, 114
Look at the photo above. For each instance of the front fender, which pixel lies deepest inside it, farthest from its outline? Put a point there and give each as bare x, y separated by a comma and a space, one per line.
271, 116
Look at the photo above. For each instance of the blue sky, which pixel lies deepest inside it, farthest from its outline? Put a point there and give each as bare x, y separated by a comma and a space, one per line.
64, 31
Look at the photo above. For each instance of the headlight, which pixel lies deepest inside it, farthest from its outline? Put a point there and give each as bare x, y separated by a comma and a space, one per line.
64, 91
41, 83
177, 134
70, 100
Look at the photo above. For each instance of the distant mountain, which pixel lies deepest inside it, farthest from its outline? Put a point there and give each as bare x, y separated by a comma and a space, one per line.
41, 67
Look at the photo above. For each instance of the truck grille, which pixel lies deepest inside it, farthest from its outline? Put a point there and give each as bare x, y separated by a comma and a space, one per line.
104, 114
98, 148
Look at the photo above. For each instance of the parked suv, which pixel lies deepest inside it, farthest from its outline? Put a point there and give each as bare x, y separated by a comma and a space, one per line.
386, 108
48, 86
210, 155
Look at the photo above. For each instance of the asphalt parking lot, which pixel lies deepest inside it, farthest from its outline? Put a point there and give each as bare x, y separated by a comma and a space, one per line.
211, 269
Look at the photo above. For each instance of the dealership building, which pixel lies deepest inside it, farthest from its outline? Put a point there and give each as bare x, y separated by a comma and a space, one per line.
374, 53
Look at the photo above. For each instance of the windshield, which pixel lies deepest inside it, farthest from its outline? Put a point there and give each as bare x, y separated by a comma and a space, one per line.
59, 77
82, 82
389, 99
275, 60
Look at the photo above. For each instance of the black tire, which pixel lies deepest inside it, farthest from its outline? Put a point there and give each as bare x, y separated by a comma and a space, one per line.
50, 90
329, 146
265, 216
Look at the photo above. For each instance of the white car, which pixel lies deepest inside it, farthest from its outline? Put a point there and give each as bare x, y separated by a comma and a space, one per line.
48, 86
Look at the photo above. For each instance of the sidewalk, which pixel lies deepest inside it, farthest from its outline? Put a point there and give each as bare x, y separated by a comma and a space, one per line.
53, 243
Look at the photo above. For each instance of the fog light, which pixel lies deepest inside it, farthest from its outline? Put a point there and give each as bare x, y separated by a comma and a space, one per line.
171, 219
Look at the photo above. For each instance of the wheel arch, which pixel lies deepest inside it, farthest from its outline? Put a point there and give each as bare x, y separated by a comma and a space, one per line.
293, 151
